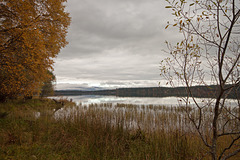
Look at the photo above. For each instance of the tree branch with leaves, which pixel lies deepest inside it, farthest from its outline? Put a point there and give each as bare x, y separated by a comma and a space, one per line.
209, 54
32, 32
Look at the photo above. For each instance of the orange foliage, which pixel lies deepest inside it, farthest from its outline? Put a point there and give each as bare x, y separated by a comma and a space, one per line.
32, 32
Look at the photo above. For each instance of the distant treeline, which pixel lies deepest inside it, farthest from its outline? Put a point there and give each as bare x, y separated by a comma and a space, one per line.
197, 91
78, 92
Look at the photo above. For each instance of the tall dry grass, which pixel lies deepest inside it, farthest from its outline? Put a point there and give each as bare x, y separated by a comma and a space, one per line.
39, 129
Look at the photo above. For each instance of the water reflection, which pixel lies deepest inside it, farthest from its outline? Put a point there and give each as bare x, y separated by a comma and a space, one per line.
148, 113
167, 101
92, 99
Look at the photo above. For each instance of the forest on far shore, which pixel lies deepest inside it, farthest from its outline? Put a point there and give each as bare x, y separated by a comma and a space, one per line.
197, 91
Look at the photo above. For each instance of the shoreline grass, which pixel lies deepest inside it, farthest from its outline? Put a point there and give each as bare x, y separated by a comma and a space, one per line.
39, 129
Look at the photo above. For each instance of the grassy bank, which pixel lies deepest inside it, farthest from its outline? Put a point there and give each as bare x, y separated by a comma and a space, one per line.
39, 129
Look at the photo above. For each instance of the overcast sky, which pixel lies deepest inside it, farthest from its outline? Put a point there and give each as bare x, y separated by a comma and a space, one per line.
113, 43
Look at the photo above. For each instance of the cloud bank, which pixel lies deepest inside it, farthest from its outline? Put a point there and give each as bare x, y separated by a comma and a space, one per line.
113, 43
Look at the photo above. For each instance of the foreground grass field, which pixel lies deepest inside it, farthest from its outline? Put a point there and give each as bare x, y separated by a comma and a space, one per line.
41, 129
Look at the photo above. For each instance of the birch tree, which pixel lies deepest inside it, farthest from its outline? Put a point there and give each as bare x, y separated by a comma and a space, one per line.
208, 55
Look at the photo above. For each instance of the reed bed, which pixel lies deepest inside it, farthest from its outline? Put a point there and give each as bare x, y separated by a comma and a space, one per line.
40, 130
149, 118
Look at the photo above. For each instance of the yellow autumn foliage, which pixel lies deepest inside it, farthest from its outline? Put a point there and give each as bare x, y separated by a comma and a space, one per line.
32, 32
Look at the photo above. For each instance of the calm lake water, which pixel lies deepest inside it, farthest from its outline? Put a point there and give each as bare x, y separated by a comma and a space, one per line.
167, 101
148, 113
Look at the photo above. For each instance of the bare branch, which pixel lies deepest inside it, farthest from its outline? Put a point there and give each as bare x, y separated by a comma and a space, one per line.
231, 154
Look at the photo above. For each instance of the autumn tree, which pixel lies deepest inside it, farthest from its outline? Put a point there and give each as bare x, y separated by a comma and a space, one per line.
48, 85
32, 32
208, 54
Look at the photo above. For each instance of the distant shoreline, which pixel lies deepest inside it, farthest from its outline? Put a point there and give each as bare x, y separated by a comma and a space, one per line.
197, 91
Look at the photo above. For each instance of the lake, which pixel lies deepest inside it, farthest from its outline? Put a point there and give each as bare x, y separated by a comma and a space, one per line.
167, 101
148, 113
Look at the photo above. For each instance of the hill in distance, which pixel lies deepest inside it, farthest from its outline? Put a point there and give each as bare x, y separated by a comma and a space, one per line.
197, 91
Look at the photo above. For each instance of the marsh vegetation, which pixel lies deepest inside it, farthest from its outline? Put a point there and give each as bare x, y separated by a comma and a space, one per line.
42, 129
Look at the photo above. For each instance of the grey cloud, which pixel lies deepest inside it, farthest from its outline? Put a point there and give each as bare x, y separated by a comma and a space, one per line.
125, 84
83, 86
112, 40
113, 83
107, 85
100, 25
116, 19
119, 67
